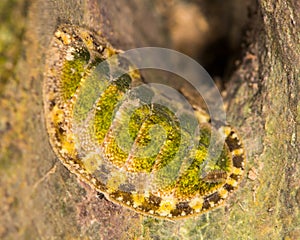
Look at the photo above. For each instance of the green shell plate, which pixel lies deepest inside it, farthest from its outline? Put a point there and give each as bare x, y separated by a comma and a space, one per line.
134, 151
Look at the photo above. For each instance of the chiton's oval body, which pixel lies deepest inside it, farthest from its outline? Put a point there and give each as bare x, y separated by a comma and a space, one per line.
136, 152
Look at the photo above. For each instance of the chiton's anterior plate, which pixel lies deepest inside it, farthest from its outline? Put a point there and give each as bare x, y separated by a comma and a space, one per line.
134, 151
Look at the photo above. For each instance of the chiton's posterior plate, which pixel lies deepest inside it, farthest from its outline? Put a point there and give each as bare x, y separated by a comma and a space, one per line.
134, 151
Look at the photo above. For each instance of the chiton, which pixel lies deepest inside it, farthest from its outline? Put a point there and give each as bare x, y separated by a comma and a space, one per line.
115, 138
